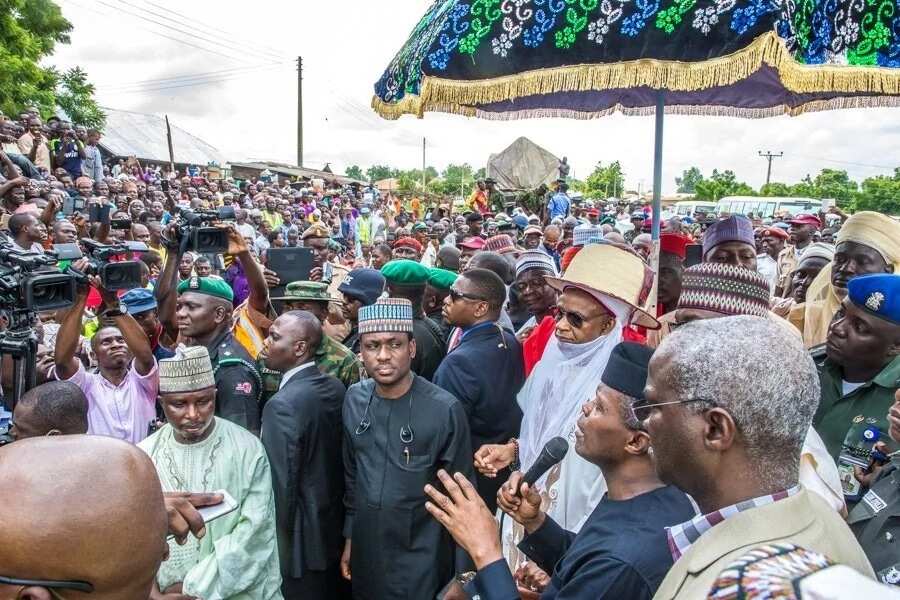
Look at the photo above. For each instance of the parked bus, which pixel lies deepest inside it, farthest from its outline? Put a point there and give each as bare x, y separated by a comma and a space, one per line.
687, 208
766, 206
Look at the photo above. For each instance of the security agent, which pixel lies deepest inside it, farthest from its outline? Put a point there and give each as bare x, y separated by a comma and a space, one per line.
204, 318
875, 520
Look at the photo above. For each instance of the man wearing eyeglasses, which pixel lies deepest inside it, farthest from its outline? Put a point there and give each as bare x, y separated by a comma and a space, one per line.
621, 551
735, 448
485, 370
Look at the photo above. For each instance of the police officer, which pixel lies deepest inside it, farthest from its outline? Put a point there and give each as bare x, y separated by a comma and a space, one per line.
872, 439
203, 315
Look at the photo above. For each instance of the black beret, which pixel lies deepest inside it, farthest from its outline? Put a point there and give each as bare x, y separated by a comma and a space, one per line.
626, 371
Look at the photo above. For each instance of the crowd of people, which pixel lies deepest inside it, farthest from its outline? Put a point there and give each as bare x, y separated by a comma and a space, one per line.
363, 432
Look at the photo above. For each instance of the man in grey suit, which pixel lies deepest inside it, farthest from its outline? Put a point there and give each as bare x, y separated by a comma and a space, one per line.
729, 434
301, 432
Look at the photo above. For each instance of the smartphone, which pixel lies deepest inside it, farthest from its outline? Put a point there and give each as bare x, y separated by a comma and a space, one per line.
210, 513
164, 185
120, 224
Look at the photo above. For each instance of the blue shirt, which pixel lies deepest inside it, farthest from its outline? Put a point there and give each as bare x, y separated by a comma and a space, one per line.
559, 206
621, 552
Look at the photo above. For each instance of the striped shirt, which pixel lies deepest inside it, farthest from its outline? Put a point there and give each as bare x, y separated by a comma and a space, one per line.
682, 536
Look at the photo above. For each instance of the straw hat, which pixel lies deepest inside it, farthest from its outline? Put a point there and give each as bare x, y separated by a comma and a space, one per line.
605, 270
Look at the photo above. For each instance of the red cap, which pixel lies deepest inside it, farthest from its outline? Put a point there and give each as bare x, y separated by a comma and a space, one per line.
568, 255
806, 220
674, 243
777, 232
473, 243
408, 242
594, 212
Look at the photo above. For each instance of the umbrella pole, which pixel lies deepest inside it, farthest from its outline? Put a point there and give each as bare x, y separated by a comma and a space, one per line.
657, 200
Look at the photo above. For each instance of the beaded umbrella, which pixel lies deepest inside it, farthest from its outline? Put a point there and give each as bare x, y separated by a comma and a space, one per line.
512, 59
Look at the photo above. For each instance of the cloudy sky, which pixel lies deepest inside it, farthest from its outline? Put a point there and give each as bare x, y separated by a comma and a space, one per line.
225, 71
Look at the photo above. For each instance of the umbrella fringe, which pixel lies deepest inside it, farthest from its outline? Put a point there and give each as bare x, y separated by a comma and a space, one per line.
874, 85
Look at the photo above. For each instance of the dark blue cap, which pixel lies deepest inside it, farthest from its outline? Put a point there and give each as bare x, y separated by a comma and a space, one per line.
137, 301
877, 294
626, 370
364, 284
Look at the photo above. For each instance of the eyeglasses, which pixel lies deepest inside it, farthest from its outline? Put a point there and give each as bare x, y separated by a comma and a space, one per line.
78, 586
456, 295
536, 284
576, 320
643, 411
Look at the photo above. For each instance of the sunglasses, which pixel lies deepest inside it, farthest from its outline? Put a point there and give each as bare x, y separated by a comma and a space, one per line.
456, 295
576, 320
642, 412
78, 586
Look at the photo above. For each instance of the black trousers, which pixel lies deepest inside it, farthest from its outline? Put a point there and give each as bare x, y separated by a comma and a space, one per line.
317, 585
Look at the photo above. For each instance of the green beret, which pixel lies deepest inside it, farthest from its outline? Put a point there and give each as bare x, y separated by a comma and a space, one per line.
441, 278
405, 272
420, 226
305, 290
211, 286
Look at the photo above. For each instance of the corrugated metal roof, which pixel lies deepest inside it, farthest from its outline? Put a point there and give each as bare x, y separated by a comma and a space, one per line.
296, 171
144, 136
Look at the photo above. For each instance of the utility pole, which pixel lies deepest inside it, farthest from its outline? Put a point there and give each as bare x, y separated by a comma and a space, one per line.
769, 156
423, 169
299, 111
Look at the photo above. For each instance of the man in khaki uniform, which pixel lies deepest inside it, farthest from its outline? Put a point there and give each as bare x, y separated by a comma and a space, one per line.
735, 448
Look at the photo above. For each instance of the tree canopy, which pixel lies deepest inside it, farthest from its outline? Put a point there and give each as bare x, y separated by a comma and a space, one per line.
29, 32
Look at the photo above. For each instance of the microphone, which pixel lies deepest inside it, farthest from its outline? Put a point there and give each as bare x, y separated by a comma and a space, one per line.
553, 453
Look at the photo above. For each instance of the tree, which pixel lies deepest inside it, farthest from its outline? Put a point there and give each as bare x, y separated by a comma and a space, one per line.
831, 183
378, 172
687, 183
455, 179
720, 185
881, 194
775, 189
75, 95
354, 172
29, 32
604, 182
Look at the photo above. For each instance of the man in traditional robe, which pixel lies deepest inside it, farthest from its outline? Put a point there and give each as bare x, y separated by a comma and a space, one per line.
198, 452
399, 430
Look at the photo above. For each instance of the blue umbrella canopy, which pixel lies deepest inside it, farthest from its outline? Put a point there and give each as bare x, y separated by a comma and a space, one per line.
507, 59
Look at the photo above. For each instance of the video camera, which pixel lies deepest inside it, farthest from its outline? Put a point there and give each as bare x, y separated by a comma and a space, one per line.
30, 281
194, 225
114, 275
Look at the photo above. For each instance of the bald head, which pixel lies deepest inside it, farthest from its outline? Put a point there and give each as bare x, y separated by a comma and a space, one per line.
293, 340
86, 508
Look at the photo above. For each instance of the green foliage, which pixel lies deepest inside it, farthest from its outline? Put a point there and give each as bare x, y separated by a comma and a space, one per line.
453, 179
687, 183
75, 95
29, 32
775, 189
835, 184
721, 184
354, 172
881, 194
604, 182
378, 172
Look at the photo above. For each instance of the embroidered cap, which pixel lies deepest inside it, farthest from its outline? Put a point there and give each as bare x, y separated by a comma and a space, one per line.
877, 294
586, 234
386, 315
536, 259
188, 371
725, 289
501, 244
735, 228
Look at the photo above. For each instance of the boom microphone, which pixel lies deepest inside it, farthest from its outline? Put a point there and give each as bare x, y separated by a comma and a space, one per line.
553, 453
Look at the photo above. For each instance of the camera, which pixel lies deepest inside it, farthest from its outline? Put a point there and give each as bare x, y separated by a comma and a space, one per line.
30, 281
114, 275
202, 238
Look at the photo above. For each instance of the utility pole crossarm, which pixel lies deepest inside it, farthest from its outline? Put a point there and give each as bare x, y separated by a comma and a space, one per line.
769, 156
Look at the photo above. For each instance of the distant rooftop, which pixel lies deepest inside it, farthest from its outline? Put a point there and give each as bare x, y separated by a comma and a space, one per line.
144, 136
295, 171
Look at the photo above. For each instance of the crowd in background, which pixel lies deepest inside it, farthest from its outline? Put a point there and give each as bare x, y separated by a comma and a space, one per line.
731, 403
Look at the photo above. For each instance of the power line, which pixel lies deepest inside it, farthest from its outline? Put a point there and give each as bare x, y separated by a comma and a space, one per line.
226, 47
194, 30
184, 85
846, 162
157, 33
174, 12
769, 156
186, 77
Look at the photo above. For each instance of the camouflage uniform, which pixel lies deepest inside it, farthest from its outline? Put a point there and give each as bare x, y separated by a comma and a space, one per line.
332, 358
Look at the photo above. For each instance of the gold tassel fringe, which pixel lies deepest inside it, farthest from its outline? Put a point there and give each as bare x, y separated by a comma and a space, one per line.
875, 85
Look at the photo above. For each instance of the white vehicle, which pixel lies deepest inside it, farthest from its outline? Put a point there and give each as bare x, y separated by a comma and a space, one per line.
766, 206
687, 208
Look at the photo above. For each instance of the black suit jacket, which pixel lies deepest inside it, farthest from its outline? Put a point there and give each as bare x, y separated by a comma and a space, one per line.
485, 372
301, 431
